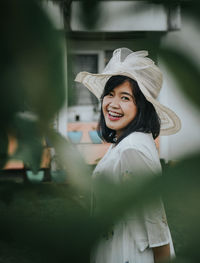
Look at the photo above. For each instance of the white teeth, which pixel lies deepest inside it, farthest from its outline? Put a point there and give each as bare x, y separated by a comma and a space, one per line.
114, 114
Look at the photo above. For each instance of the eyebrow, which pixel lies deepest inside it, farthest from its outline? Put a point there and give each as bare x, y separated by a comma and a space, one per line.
126, 93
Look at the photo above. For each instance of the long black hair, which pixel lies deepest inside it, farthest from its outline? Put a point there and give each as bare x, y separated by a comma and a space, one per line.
146, 119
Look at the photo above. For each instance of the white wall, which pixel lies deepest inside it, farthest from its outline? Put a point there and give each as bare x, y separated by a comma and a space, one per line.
124, 16
85, 113
187, 141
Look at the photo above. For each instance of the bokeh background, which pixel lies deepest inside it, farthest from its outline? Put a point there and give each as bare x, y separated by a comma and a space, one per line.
48, 124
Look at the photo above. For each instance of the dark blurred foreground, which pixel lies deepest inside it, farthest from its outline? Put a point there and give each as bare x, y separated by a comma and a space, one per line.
52, 222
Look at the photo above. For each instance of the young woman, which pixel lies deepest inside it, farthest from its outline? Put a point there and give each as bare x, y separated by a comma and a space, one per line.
131, 118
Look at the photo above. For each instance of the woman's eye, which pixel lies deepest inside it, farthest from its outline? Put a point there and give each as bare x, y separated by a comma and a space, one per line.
125, 98
110, 94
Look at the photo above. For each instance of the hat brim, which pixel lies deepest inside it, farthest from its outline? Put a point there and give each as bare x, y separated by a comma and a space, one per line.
170, 122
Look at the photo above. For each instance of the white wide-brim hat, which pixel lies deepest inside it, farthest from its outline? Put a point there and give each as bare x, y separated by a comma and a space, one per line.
143, 70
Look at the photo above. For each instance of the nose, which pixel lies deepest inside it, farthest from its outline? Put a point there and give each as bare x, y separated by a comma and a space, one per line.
114, 103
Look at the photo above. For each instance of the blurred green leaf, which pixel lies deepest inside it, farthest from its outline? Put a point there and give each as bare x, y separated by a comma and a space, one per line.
51, 220
78, 174
59, 216
90, 13
30, 143
31, 76
3, 148
188, 7
32, 72
180, 189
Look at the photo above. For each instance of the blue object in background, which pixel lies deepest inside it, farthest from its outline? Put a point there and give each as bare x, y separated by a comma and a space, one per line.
75, 136
95, 137
35, 178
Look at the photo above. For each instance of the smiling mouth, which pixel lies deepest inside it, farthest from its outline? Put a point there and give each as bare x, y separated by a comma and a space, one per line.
114, 115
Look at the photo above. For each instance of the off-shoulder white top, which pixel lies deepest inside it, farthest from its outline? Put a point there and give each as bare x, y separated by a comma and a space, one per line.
134, 236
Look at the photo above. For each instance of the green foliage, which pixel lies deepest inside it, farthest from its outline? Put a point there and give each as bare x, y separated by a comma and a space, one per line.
90, 13
31, 75
30, 145
32, 61
52, 222
78, 174
44, 219
55, 219
3, 148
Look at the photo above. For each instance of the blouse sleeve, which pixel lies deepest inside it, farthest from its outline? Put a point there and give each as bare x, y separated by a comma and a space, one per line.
134, 162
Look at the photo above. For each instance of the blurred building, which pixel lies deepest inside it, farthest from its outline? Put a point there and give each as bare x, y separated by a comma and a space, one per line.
133, 24
137, 25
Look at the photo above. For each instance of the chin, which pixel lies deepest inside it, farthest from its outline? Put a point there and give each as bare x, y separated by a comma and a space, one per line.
112, 127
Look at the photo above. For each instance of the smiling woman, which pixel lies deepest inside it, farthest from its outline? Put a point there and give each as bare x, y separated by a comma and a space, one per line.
131, 118
119, 108
125, 110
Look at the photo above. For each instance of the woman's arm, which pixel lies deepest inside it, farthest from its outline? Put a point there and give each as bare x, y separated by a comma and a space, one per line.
161, 253
134, 162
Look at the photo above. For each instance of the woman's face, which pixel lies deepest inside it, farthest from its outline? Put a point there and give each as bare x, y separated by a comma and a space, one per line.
119, 107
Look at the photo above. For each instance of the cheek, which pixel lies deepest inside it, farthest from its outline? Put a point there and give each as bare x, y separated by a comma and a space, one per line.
104, 105
131, 111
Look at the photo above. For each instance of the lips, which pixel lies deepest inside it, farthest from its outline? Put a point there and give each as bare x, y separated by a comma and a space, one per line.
114, 116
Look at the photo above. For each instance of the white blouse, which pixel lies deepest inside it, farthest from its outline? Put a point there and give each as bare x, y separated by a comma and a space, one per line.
134, 236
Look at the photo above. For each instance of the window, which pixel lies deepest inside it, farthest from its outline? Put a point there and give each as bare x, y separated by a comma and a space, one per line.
89, 63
